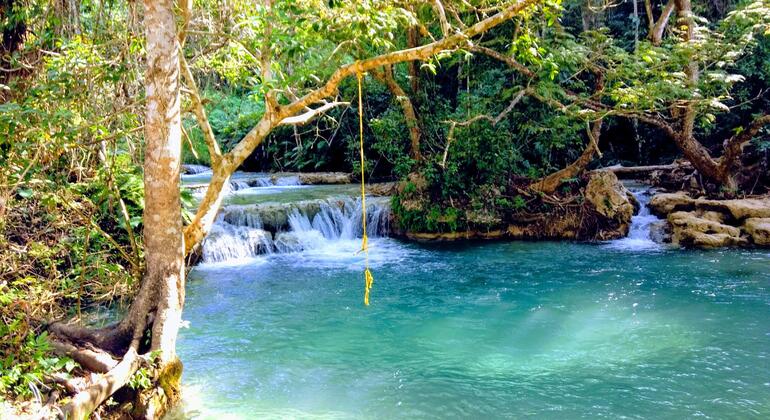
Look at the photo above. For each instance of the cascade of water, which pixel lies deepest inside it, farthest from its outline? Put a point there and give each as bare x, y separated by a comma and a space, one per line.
264, 182
228, 242
192, 169
239, 233
286, 181
236, 185
639, 235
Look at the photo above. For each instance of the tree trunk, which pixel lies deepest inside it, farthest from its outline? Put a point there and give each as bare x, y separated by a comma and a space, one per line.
550, 183
657, 29
412, 41
410, 116
158, 305
163, 240
695, 152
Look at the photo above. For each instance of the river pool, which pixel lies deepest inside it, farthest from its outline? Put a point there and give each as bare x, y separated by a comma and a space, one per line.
480, 330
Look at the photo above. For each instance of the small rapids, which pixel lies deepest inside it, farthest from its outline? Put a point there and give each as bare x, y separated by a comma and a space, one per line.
240, 183
334, 224
639, 235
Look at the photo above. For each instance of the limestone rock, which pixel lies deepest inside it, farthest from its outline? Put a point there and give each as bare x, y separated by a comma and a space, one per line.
692, 229
745, 208
382, 188
439, 236
758, 229
714, 216
738, 209
712, 240
665, 203
608, 196
315, 178
694, 221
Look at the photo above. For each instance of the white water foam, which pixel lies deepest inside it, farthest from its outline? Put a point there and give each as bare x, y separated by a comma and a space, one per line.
334, 231
639, 236
191, 169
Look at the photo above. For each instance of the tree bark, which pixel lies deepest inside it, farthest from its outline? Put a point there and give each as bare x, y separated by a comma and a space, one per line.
695, 152
164, 248
657, 28
412, 41
550, 183
733, 148
386, 76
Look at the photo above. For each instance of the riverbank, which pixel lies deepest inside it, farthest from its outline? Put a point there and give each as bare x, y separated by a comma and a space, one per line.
267, 218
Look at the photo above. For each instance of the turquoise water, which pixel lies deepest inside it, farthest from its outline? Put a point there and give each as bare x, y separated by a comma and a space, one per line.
483, 330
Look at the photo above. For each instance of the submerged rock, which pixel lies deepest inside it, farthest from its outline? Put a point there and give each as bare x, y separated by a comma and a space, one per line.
660, 232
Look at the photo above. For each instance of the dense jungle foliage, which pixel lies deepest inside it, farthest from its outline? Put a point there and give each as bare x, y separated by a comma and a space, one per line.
492, 117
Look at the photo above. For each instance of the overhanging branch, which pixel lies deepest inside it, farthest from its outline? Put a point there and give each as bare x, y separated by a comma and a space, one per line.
308, 116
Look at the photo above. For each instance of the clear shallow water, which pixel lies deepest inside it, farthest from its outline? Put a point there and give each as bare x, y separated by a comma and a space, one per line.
485, 330
290, 193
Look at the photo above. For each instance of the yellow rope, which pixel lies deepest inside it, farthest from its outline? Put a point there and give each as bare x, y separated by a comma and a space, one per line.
368, 279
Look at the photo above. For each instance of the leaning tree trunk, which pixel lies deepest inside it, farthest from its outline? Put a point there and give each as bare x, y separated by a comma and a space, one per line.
550, 183
695, 152
407, 107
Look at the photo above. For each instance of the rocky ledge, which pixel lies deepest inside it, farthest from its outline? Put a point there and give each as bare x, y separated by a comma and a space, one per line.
601, 211
706, 223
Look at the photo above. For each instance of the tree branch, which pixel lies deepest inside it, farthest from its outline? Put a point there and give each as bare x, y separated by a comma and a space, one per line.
208, 207
308, 116
441, 17
386, 76
504, 58
200, 113
656, 34
493, 120
735, 144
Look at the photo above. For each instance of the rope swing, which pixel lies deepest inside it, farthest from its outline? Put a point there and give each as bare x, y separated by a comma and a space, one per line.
368, 279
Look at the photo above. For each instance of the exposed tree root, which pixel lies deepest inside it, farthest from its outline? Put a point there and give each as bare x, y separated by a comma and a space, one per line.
90, 358
85, 402
93, 349
113, 338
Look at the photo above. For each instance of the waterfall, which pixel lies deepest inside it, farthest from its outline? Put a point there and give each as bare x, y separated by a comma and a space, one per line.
639, 234
191, 169
240, 232
287, 181
228, 242
236, 185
